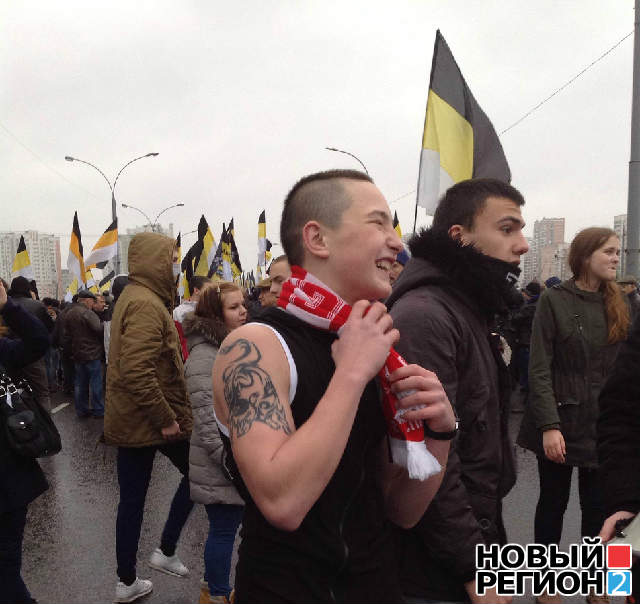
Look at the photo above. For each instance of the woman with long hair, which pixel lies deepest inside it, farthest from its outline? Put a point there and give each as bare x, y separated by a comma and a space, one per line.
220, 310
576, 332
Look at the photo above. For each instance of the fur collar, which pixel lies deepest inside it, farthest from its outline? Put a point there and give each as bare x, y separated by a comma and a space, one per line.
211, 329
485, 282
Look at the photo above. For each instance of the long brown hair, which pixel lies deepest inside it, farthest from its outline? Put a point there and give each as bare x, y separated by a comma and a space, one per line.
210, 305
583, 245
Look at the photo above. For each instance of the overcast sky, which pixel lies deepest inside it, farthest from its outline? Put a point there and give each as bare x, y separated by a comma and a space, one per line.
240, 99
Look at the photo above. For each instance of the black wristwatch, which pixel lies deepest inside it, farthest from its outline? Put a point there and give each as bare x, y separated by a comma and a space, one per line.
429, 433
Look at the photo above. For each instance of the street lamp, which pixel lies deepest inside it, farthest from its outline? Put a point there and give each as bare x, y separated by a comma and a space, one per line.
124, 205
351, 154
155, 222
114, 214
177, 205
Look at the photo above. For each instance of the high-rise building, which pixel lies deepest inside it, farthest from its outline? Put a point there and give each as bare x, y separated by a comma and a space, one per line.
548, 240
620, 227
528, 264
44, 253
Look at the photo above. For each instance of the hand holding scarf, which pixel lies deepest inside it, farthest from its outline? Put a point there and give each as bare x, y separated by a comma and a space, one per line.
307, 298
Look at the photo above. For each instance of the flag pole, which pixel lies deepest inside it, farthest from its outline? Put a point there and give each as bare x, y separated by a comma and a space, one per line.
633, 201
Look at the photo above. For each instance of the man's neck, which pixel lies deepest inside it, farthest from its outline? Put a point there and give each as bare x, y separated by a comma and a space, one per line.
324, 274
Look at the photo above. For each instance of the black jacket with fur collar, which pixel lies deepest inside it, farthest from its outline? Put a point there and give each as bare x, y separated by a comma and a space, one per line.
442, 304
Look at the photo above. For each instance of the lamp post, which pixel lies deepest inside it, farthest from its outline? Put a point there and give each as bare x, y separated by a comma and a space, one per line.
155, 222
351, 154
112, 188
176, 205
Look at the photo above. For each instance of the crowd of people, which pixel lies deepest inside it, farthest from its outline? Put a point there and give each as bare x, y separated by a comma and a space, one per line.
279, 406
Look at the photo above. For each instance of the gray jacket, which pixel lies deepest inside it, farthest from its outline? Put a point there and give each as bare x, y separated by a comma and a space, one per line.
206, 476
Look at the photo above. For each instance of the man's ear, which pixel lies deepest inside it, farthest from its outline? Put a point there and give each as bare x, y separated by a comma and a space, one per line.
455, 232
314, 240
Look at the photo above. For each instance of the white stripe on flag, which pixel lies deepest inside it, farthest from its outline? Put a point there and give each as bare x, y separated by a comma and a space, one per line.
433, 180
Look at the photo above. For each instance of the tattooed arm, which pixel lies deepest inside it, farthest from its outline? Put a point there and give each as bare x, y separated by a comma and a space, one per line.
287, 469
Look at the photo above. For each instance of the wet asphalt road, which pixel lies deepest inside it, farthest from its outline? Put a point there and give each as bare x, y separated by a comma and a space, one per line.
69, 549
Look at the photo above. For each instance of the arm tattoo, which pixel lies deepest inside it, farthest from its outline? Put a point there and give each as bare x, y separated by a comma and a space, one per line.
249, 391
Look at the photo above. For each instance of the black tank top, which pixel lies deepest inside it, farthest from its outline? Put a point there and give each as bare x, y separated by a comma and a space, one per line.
343, 550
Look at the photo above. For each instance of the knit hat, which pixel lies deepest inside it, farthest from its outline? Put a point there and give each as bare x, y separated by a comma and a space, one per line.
20, 286
532, 289
551, 281
403, 256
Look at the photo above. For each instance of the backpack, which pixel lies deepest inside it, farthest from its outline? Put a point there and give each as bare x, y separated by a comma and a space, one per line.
28, 426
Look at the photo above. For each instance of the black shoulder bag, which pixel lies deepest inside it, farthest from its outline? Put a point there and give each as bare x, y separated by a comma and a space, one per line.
28, 425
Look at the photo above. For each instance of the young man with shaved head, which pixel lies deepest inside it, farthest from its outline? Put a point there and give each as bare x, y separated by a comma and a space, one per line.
299, 402
461, 275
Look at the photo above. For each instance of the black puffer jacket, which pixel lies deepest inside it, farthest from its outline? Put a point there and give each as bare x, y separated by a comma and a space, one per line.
442, 307
619, 429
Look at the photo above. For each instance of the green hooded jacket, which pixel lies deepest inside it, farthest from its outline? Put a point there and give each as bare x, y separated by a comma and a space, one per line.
569, 362
146, 390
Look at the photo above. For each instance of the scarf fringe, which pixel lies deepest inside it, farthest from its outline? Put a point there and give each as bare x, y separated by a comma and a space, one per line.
419, 461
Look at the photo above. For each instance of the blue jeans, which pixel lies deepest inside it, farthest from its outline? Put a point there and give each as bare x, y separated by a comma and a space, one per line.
134, 473
52, 360
223, 525
89, 375
11, 532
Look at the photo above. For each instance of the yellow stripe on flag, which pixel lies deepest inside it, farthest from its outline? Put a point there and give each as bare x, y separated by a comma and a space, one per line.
448, 133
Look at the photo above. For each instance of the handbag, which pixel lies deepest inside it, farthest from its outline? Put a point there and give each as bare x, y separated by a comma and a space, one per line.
28, 426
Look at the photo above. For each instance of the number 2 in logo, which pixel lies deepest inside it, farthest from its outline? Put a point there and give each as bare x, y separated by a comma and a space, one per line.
619, 582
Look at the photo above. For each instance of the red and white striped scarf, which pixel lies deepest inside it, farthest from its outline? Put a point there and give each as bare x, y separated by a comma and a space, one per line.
307, 298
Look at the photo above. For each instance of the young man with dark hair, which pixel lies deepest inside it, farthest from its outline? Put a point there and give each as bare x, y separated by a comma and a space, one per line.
461, 274
279, 272
300, 406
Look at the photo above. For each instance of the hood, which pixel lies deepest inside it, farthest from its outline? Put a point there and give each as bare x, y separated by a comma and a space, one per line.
570, 286
196, 328
150, 264
484, 283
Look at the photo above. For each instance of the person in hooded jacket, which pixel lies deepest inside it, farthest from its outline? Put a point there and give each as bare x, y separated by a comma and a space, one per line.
147, 408
21, 479
461, 275
220, 310
576, 333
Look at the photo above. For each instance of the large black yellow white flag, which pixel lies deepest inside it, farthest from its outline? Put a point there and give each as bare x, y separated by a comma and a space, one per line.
205, 236
459, 141
75, 262
21, 263
105, 249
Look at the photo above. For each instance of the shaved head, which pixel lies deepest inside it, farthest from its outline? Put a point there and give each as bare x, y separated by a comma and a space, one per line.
322, 197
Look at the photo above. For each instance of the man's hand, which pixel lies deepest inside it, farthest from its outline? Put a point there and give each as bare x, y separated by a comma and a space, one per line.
553, 445
365, 341
3, 296
427, 391
490, 595
608, 530
171, 432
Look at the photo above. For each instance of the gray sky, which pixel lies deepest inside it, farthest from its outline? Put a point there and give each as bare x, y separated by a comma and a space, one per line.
240, 100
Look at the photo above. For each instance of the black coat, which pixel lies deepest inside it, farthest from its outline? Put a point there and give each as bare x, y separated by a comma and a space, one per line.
619, 429
444, 326
21, 479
